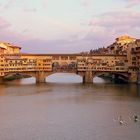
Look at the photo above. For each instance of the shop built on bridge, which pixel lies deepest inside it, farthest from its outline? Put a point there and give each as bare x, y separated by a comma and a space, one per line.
121, 59
88, 66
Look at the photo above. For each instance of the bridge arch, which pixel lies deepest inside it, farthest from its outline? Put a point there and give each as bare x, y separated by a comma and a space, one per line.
41, 77
113, 75
87, 77
64, 78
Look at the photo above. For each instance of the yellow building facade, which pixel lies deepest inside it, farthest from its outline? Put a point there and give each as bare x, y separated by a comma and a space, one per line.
125, 39
7, 48
13, 61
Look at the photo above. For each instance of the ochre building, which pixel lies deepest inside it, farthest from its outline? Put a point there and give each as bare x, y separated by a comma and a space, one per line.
123, 60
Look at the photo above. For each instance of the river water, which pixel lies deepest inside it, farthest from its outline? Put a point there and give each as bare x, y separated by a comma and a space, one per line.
65, 109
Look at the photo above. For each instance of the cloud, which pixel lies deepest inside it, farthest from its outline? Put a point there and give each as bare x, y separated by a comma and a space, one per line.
8, 35
19, 4
45, 3
103, 29
106, 27
56, 46
86, 3
131, 3
118, 21
29, 10
4, 24
9, 4
47, 35
70, 41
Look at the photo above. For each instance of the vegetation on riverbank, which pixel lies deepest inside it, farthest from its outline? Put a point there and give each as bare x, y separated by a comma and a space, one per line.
15, 76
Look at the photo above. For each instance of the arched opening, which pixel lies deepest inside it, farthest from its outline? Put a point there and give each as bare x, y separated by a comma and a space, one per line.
64, 78
98, 79
55, 66
106, 77
29, 80
120, 78
64, 66
72, 65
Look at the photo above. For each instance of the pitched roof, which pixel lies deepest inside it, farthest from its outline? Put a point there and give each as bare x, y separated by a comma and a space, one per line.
10, 45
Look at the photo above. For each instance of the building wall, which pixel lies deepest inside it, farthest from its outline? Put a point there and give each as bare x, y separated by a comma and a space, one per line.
102, 63
125, 39
11, 60
17, 63
6, 48
2, 65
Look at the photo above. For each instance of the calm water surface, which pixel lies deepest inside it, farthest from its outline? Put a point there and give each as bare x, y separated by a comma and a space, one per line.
68, 110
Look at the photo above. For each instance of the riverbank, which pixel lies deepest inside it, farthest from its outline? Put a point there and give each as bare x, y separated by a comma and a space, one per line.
15, 76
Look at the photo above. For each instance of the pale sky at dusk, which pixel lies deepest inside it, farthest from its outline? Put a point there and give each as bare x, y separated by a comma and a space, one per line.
67, 26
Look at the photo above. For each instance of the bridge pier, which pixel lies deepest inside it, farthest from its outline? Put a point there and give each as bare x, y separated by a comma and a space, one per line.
1, 80
40, 77
88, 77
138, 80
133, 77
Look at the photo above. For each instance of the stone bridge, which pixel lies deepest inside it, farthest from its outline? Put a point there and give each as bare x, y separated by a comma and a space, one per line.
88, 66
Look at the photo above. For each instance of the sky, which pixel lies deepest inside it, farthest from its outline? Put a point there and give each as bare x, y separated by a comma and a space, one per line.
67, 26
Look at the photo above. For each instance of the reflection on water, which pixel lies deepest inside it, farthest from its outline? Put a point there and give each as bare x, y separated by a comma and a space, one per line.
100, 80
65, 109
64, 78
